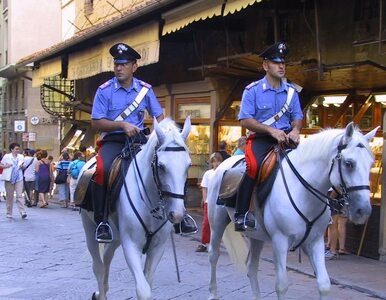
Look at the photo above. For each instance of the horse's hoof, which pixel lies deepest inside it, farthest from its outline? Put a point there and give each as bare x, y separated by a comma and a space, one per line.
95, 296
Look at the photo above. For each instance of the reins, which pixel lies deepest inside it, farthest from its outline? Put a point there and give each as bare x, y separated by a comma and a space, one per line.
318, 194
162, 193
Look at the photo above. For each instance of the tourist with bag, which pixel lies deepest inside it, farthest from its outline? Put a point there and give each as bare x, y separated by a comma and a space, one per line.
29, 176
61, 179
73, 173
12, 164
44, 171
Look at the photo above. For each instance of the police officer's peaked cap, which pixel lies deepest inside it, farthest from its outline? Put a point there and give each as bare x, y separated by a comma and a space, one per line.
276, 52
123, 53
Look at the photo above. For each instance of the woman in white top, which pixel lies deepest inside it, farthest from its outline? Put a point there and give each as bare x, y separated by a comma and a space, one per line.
12, 164
215, 161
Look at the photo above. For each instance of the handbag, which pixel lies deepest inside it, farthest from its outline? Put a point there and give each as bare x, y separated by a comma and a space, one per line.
6, 175
61, 176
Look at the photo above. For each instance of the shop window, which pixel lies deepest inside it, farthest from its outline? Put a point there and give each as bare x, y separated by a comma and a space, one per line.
196, 108
198, 143
231, 135
376, 146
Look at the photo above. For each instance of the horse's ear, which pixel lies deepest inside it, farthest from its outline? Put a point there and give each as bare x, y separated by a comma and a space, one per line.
371, 134
160, 134
349, 131
186, 130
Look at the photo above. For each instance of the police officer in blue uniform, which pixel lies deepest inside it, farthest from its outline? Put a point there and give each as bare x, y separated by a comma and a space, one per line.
262, 100
111, 99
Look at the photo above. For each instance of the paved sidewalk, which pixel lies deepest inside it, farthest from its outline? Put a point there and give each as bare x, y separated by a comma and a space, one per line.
351, 271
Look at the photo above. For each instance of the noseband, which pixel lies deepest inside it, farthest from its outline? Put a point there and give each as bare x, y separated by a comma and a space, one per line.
344, 190
154, 166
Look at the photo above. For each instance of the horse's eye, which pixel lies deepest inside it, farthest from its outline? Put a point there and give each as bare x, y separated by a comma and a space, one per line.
349, 164
161, 167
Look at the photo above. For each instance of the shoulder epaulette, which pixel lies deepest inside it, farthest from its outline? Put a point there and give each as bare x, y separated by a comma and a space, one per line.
297, 87
145, 84
105, 85
252, 84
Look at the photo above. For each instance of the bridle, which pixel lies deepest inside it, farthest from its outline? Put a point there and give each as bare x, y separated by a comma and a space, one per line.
343, 192
162, 194
154, 166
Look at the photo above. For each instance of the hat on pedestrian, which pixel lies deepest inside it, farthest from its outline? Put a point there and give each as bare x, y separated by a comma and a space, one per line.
276, 52
123, 53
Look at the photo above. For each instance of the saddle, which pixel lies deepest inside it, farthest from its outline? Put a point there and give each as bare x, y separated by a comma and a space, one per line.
233, 177
119, 167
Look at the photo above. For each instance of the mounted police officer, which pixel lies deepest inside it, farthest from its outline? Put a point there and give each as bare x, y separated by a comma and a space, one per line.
118, 111
270, 109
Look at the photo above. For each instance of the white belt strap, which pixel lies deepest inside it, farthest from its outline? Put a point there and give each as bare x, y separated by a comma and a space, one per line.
132, 107
283, 110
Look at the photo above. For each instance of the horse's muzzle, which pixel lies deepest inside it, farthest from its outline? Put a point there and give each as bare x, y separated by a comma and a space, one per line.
175, 217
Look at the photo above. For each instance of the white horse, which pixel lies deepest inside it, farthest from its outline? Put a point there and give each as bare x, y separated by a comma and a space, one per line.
334, 157
153, 195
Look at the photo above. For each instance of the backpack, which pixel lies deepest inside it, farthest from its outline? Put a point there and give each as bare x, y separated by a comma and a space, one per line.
75, 168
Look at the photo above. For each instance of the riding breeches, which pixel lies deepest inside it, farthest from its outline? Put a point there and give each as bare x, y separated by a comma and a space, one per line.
108, 149
256, 150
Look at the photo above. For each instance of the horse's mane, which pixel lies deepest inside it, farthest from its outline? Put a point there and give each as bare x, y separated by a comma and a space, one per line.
320, 145
172, 134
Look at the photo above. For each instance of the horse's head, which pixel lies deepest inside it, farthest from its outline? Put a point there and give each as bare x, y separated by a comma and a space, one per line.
170, 166
350, 171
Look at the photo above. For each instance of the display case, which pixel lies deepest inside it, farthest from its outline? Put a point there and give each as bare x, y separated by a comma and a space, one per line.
376, 146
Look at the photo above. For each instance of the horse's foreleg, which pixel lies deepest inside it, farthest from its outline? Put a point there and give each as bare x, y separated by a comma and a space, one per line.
280, 248
253, 265
153, 258
107, 258
217, 227
93, 247
133, 259
315, 252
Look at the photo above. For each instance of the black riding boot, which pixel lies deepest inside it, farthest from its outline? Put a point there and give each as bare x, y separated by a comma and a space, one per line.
244, 195
103, 232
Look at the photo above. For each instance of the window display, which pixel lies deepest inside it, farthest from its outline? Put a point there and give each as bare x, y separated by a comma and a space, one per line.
229, 134
376, 171
198, 143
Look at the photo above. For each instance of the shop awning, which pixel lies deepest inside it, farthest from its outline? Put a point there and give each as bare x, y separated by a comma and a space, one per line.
201, 10
87, 63
47, 69
189, 13
233, 6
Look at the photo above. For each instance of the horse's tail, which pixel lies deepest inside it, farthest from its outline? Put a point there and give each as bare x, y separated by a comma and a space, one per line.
236, 248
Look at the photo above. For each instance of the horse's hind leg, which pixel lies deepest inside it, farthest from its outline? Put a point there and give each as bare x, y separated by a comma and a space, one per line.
253, 265
97, 263
217, 227
315, 252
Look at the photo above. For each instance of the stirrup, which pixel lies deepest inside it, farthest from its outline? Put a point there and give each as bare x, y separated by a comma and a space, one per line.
109, 229
189, 217
248, 222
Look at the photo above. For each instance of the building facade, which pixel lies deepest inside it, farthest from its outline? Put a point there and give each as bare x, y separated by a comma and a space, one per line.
199, 55
25, 30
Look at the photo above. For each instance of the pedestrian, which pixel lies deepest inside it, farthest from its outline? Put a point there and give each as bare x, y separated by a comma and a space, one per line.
74, 168
36, 194
222, 149
112, 114
215, 160
241, 144
53, 167
12, 164
270, 109
29, 176
2, 186
44, 169
336, 231
62, 185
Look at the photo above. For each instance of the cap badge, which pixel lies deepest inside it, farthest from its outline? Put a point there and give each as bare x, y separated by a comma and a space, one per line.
121, 48
281, 47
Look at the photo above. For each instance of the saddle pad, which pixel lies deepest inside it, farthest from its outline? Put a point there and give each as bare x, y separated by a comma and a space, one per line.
232, 179
82, 185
